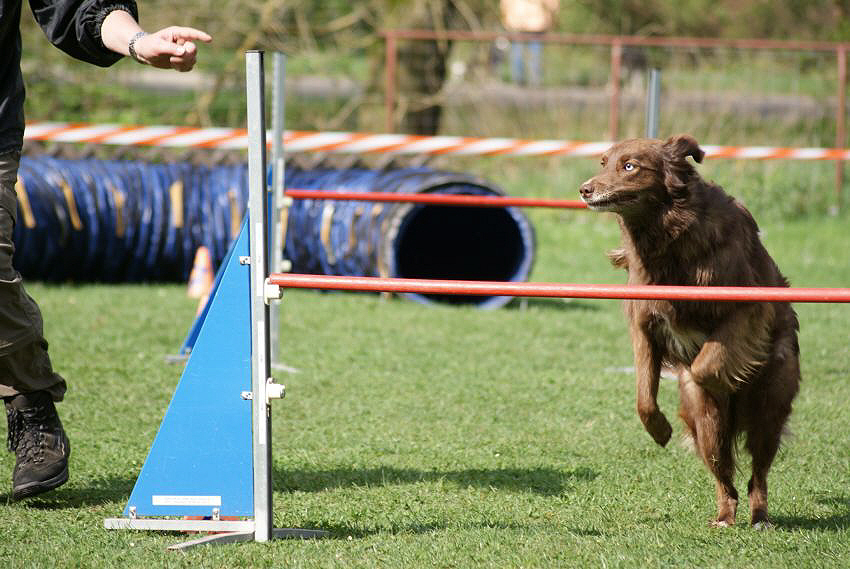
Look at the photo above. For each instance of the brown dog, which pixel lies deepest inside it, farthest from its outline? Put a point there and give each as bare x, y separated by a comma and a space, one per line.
738, 363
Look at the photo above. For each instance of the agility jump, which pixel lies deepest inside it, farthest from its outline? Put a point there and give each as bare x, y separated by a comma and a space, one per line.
221, 397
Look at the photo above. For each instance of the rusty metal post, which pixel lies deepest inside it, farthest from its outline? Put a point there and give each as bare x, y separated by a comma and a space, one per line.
614, 110
390, 82
840, 123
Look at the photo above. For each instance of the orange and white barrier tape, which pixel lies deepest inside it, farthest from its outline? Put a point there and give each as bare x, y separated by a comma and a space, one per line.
351, 142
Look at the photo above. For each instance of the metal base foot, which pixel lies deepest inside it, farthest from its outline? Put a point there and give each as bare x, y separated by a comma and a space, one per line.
176, 358
238, 537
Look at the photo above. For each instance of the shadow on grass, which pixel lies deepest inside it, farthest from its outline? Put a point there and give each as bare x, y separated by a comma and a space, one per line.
561, 304
344, 531
838, 519
100, 491
543, 481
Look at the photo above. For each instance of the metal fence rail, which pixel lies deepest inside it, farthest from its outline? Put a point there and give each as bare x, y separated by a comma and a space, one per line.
616, 44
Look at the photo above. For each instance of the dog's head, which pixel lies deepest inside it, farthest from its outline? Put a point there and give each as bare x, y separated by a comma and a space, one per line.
642, 173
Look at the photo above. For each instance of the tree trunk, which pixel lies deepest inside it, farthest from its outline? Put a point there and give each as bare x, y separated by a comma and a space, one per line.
423, 66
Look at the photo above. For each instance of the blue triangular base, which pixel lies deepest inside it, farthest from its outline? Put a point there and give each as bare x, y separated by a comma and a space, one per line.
194, 330
201, 458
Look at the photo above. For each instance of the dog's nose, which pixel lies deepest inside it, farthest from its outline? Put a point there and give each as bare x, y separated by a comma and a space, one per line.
586, 189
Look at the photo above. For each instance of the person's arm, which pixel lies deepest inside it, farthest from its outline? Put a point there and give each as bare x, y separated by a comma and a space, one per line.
170, 48
100, 32
74, 26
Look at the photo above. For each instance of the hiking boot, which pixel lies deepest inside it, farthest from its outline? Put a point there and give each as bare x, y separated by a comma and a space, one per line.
39, 443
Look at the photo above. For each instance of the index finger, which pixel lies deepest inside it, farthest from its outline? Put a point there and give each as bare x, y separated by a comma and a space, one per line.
186, 33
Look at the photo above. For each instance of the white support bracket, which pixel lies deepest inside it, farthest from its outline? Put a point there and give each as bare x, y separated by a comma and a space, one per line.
274, 390
271, 291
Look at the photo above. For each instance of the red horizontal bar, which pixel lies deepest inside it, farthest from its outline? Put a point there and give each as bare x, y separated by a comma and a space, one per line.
562, 290
435, 199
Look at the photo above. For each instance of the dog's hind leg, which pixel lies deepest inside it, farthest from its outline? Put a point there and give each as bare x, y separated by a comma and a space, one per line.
764, 438
762, 443
757, 487
707, 419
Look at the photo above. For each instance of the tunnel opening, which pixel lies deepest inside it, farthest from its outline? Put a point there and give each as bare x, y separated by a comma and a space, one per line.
463, 243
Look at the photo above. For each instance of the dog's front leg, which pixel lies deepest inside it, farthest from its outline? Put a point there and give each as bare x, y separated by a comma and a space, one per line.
735, 349
648, 372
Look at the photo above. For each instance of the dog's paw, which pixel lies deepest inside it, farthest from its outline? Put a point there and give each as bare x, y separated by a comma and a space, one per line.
659, 428
763, 525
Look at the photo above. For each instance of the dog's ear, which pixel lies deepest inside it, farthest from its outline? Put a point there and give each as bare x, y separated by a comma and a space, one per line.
683, 145
677, 170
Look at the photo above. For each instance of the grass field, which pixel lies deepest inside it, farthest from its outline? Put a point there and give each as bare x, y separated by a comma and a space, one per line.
449, 437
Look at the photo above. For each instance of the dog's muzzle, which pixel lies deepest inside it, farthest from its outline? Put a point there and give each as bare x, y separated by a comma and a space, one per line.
586, 190
594, 195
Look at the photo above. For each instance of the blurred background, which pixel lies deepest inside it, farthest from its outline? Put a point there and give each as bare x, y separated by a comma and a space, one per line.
460, 77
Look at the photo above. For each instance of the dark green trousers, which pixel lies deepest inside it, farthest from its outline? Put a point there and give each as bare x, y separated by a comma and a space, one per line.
24, 363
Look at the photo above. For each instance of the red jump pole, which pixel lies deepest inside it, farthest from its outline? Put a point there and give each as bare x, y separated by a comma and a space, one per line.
436, 199
562, 290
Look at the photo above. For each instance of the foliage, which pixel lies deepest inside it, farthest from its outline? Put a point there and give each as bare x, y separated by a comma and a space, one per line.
721, 96
789, 19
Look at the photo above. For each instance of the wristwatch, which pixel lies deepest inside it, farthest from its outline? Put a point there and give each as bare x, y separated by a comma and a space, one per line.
132, 46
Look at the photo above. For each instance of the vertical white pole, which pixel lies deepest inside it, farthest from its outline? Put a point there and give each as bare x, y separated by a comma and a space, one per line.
278, 168
653, 104
260, 364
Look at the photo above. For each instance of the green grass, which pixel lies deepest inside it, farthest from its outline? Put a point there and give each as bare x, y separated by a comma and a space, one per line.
449, 436
453, 437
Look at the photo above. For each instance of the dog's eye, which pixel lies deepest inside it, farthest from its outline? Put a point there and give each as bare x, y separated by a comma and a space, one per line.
628, 166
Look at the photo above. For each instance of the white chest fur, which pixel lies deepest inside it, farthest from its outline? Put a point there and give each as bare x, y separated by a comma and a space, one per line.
682, 345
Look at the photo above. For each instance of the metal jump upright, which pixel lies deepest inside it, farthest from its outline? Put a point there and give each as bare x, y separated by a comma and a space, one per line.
209, 467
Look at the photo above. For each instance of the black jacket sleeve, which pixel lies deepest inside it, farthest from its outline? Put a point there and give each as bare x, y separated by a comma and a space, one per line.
74, 26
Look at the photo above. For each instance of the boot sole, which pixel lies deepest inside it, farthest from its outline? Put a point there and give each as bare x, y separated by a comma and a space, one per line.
39, 486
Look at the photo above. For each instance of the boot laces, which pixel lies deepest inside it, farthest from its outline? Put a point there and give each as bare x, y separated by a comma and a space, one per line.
27, 429
13, 437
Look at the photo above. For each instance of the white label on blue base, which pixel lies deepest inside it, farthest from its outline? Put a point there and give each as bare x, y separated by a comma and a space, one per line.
186, 500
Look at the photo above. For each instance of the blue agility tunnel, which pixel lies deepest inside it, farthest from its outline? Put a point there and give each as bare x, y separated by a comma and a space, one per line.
129, 221
407, 240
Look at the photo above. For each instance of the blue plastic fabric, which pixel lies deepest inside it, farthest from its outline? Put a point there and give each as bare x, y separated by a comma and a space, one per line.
112, 221
406, 240
119, 225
